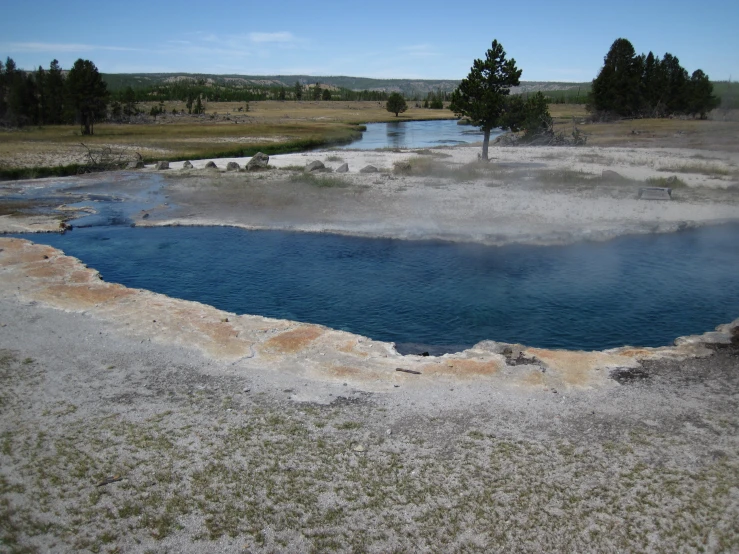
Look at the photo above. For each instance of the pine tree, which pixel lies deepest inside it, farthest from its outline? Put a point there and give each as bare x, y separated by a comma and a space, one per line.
701, 99
481, 96
396, 104
298, 91
42, 100
618, 86
676, 81
87, 95
3, 92
54, 92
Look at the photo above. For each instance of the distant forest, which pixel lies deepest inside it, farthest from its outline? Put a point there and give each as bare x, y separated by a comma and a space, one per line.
45, 96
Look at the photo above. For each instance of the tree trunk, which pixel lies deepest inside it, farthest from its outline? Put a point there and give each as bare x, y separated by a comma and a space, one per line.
485, 142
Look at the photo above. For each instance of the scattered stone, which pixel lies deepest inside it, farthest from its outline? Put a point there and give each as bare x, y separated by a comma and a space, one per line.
232, 166
655, 193
359, 448
610, 175
369, 169
315, 165
224, 320
162, 165
211, 164
389, 432
109, 480
258, 161
145, 216
628, 375
138, 164
187, 165
343, 168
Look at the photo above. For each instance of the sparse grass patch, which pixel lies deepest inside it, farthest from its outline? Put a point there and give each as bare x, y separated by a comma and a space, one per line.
670, 182
348, 425
712, 170
320, 180
594, 158
334, 158
433, 153
566, 176
430, 167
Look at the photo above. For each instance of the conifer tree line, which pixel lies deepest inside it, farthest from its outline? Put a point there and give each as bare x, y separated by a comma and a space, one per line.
631, 85
48, 97
54, 96
188, 90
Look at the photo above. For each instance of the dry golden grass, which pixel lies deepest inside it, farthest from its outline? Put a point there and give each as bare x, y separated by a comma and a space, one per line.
334, 111
665, 133
274, 126
221, 131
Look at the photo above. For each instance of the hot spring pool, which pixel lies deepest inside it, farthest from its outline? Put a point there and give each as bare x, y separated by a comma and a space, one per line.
639, 290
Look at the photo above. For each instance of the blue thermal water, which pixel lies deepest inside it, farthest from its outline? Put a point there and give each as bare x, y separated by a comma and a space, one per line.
638, 290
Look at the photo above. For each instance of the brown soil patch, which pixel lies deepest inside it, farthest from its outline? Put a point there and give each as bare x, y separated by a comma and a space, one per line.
293, 341
463, 368
349, 347
578, 368
85, 296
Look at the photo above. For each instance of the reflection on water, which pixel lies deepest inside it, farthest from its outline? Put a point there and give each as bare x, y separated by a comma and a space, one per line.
639, 290
417, 134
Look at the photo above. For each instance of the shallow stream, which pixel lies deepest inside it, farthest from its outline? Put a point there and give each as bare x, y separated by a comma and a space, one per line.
417, 134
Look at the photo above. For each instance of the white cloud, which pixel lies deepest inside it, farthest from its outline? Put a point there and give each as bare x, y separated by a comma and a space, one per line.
420, 50
282, 36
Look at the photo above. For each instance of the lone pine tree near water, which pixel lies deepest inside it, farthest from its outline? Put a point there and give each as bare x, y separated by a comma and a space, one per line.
481, 96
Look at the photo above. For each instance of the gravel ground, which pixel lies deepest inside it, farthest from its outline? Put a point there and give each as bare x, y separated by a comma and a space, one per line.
204, 458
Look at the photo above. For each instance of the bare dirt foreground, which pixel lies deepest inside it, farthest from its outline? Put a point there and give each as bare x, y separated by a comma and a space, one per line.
133, 422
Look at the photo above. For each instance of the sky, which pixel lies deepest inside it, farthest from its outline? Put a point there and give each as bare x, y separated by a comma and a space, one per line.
555, 40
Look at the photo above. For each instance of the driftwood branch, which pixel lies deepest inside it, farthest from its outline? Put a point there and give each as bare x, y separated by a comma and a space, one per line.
106, 158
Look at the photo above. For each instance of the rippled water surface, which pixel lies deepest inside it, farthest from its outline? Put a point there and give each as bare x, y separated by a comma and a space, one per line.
640, 290
417, 134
